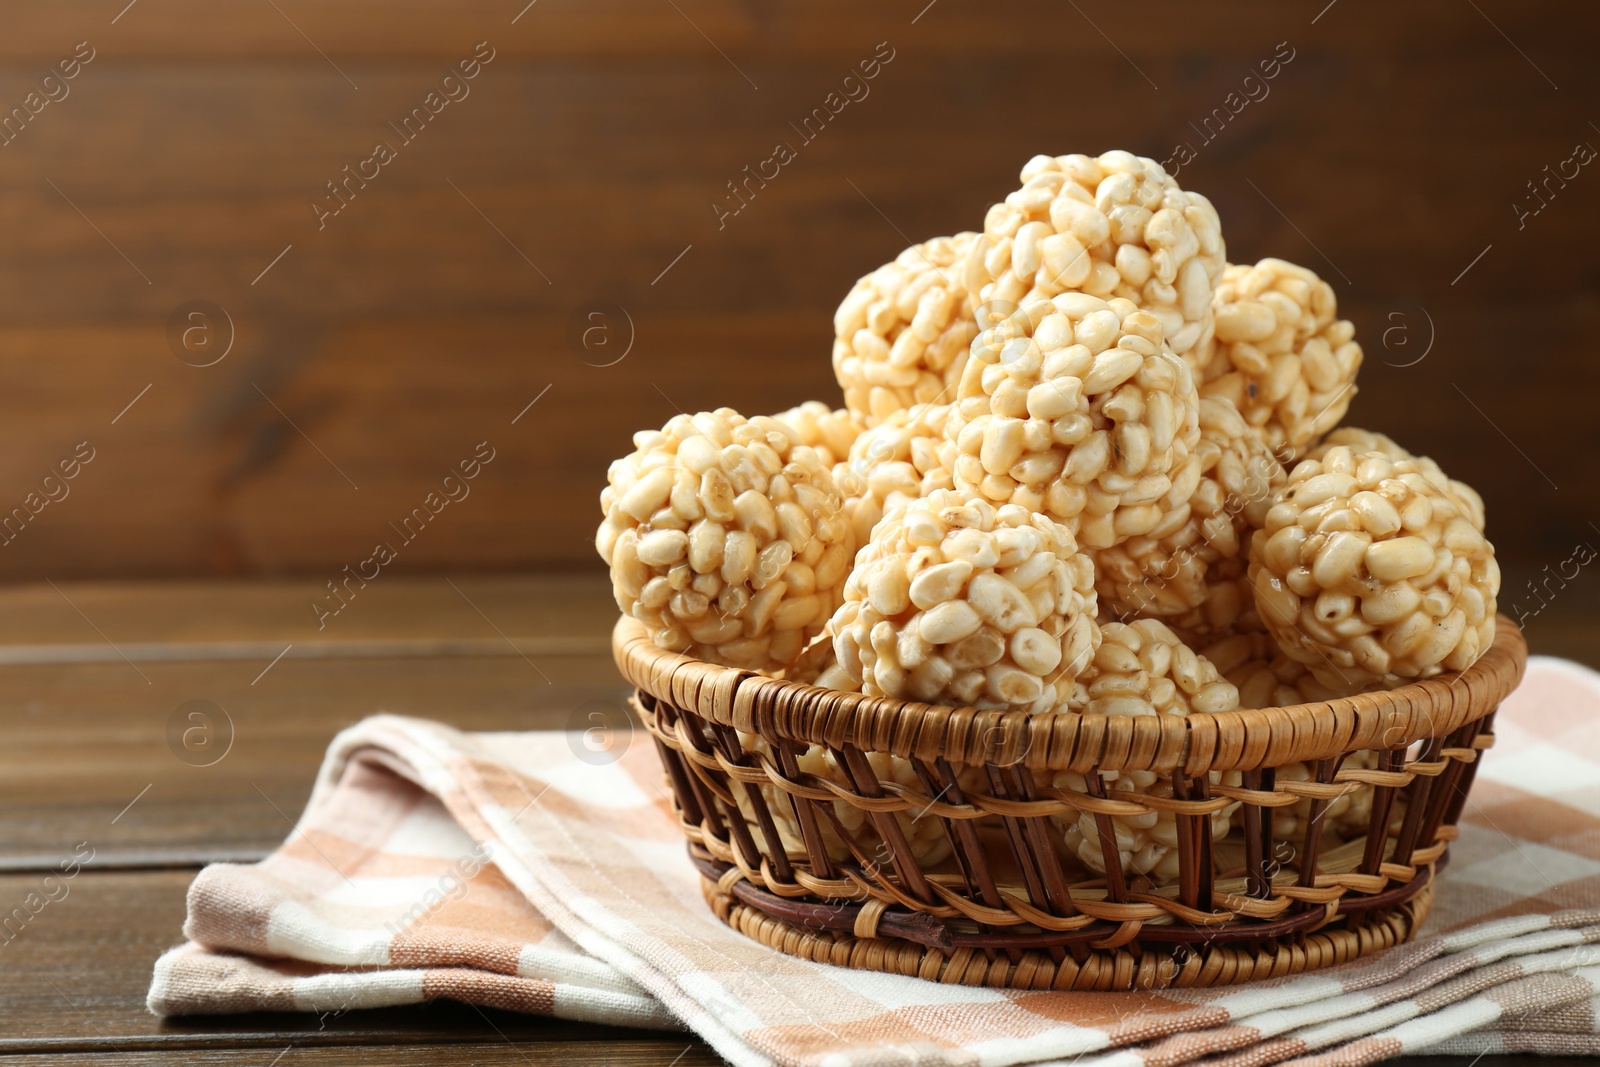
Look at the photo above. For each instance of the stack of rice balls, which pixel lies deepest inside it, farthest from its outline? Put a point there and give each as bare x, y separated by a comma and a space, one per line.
1083, 464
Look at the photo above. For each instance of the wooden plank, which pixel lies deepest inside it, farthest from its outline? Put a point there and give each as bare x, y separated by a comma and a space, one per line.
76, 975
101, 746
506, 615
409, 329
232, 183
191, 29
582, 1048
97, 753
218, 489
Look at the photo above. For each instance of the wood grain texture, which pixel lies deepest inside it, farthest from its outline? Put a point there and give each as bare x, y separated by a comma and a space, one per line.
433, 308
89, 741
467, 614
102, 749
75, 979
538, 1051
635, 28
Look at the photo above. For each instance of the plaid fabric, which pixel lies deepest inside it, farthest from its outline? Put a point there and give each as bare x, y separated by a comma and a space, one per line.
499, 869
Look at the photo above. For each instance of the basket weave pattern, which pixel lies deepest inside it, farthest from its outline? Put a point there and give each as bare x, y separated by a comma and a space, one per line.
1011, 906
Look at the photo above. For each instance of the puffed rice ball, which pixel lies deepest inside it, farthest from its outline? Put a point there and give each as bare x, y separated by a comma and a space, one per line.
727, 538
1116, 225
926, 837
1263, 674
830, 432
1368, 572
1142, 668
1369, 441
1074, 407
1282, 356
1229, 606
955, 601
901, 335
1210, 513
904, 458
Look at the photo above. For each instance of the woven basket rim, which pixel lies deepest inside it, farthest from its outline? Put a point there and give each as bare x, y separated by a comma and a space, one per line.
1066, 740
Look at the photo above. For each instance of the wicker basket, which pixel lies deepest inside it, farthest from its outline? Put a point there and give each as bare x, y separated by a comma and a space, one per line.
1010, 907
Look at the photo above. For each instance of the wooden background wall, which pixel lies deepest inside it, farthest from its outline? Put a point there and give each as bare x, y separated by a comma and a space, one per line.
377, 351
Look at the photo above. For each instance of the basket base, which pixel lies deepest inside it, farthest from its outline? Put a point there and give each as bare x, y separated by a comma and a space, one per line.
1100, 970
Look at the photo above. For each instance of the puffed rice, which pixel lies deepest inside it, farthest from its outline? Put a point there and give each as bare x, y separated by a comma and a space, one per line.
904, 458
1116, 225
1282, 356
1229, 606
1369, 441
819, 666
830, 432
1370, 573
1174, 568
1075, 408
955, 601
727, 538
901, 335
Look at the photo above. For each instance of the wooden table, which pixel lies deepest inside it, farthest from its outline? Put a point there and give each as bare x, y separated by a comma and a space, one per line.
91, 675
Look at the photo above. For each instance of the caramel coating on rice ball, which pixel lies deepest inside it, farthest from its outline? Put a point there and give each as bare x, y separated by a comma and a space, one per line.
1142, 668
1368, 572
901, 335
904, 458
1221, 497
1370, 441
1116, 225
955, 601
1074, 407
1264, 675
829, 431
1229, 606
1283, 356
727, 538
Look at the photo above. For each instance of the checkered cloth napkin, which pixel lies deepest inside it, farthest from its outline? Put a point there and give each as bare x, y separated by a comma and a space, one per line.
501, 870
